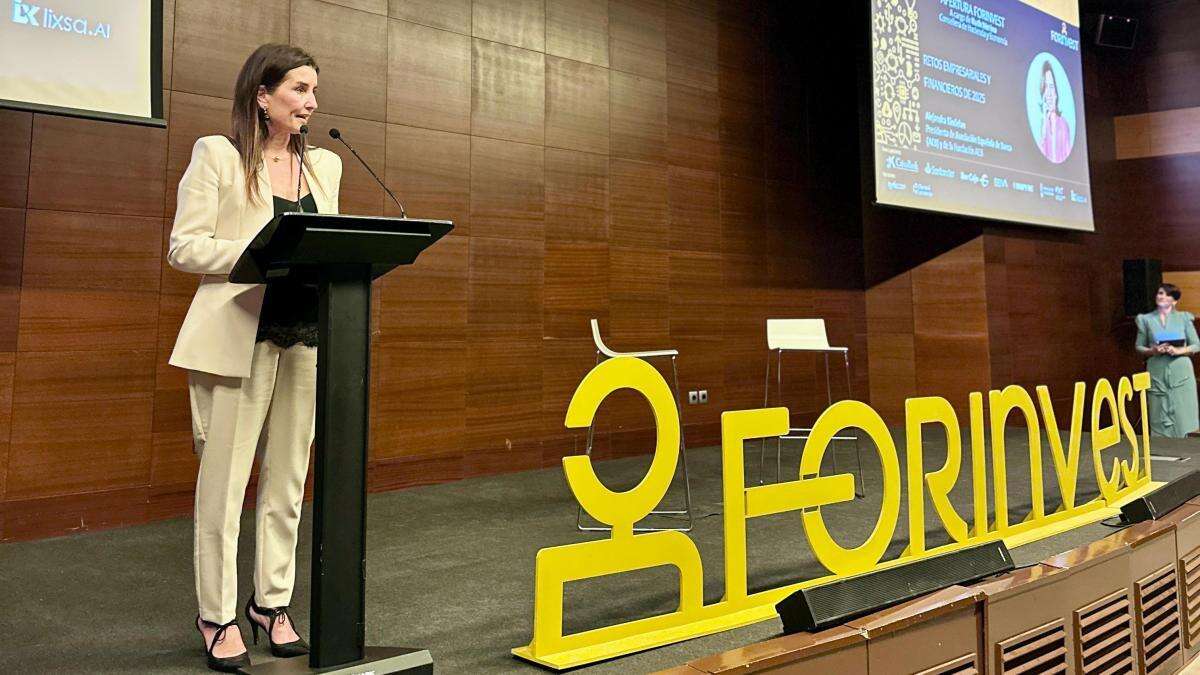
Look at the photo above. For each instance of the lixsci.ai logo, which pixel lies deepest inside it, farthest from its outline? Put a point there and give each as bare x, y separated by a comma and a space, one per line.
36, 16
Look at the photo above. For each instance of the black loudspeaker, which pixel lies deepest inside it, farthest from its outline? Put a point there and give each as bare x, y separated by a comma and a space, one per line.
834, 603
1142, 279
1116, 31
1162, 500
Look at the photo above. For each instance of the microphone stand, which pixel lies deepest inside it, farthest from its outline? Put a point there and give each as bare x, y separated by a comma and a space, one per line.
300, 171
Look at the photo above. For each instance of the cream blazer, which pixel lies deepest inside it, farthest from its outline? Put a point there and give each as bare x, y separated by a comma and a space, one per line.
214, 222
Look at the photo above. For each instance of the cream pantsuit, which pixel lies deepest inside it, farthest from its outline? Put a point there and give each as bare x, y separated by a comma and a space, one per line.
279, 398
247, 398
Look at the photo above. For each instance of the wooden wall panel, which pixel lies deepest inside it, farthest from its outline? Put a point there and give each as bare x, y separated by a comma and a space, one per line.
693, 128
791, 237
430, 172
891, 346
451, 15
504, 405
14, 158
950, 325
174, 462
429, 77
80, 422
88, 165
353, 78
89, 282
507, 189
692, 43
740, 38
639, 292
508, 92
743, 213
576, 196
578, 30
637, 202
748, 303
575, 288
419, 409
694, 198
576, 106
1171, 55
12, 248
695, 299
168, 43
520, 23
741, 137
212, 40
999, 325
637, 37
844, 311
639, 118
428, 301
8, 362
506, 288
1166, 132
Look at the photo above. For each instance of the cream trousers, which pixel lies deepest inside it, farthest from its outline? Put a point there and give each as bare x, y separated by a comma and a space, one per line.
270, 414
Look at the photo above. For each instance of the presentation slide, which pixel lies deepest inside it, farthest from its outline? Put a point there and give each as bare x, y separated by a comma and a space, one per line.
979, 109
91, 58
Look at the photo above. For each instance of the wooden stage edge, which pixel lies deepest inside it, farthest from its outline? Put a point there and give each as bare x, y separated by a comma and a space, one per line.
1127, 603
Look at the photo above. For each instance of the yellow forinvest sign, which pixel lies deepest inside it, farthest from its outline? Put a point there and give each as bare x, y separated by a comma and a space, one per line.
1124, 480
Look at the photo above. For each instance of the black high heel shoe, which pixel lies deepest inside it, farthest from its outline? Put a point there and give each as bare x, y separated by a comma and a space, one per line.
285, 650
231, 664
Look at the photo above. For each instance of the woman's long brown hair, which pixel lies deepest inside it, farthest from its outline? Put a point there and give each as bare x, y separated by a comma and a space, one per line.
266, 67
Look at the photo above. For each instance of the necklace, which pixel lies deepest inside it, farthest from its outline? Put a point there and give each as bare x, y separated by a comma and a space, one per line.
276, 158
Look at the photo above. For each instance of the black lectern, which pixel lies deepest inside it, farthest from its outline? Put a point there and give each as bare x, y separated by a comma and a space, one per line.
340, 255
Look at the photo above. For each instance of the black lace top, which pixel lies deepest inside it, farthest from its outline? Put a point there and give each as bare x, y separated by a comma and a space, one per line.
289, 311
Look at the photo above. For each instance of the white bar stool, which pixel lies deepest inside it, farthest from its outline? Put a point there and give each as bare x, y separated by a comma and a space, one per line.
803, 335
604, 352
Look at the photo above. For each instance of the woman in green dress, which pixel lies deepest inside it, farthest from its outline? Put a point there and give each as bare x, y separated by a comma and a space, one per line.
1167, 338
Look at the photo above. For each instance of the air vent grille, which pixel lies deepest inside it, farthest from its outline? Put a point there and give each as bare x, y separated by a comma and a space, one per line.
1158, 613
1040, 651
1104, 635
1189, 572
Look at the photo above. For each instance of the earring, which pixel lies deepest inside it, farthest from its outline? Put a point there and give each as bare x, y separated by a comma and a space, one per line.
265, 116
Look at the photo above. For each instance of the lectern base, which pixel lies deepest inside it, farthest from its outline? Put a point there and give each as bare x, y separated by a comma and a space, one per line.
376, 661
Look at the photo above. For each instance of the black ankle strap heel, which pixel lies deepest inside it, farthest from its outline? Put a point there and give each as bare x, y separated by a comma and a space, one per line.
275, 615
231, 664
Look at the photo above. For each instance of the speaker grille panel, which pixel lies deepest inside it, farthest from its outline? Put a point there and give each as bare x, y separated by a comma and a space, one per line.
963, 665
838, 601
1158, 615
1189, 572
1104, 635
1040, 651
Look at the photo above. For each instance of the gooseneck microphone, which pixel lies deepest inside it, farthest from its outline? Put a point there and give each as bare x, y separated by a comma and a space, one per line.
300, 173
337, 135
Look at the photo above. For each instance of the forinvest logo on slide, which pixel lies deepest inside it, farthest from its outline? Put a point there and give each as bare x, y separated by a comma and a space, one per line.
44, 17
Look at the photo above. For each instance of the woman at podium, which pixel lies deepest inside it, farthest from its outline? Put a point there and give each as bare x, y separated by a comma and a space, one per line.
250, 350
1167, 338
